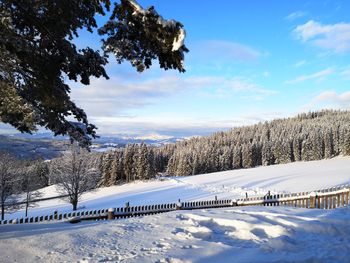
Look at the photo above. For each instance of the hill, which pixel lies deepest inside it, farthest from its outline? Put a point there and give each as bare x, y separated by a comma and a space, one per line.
242, 234
293, 177
306, 137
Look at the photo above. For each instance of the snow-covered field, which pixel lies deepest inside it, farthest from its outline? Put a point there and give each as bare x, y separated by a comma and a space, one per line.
251, 234
241, 234
292, 177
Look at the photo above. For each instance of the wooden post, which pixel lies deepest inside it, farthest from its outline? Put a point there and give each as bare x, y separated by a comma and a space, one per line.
233, 202
313, 196
322, 200
55, 214
110, 213
178, 205
331, 204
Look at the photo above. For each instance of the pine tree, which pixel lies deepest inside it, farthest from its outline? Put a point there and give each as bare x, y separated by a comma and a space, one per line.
267, 154
307, 153
129, 162
38, 53
237, 158
328, 143
247, 156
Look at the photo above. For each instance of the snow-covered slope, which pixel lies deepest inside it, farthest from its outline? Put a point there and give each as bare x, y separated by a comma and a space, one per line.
249, 234
239, 234
293, 177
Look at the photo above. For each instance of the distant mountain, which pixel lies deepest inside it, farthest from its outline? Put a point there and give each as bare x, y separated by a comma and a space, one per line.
47, 146
119, 141
32, 148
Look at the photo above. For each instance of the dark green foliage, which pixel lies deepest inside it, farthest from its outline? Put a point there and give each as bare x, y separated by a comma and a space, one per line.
141, 36
37, 54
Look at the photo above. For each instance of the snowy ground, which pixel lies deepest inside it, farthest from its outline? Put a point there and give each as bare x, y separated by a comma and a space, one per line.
240, 234
249, 234
292, 177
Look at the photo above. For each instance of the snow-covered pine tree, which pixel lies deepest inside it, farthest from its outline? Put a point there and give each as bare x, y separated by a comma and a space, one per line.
237, 157
267, 154
129, 162
247, 156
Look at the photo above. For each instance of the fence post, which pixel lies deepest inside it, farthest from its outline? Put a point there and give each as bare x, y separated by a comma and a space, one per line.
110, 213
313, 196
55, 213
233, 202
178, 205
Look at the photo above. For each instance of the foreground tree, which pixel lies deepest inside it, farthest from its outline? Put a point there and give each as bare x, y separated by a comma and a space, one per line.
37, 54
32, 180
7, 179
74, 174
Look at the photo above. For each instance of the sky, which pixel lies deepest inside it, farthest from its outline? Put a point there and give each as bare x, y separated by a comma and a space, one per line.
249, 61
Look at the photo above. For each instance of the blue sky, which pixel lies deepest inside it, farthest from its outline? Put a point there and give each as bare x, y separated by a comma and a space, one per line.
249, 61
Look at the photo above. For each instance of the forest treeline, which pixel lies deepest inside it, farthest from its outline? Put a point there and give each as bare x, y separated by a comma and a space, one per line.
306, 137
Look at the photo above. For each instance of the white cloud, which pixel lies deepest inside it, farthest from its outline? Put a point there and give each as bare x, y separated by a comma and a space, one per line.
300, 63
266, 74
225, 50
295, 15
320, 75
329, 100
6, 129
116, 96
345, 73
116, 105
177, 127
333, 37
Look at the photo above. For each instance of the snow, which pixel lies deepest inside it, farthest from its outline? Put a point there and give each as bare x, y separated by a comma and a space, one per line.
179, 41
137, 7
249, 234
292, 177
237, 234
154, 137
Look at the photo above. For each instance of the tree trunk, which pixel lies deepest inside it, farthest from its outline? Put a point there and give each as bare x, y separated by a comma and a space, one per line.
75, 204
27, 200
27, 205
2, 211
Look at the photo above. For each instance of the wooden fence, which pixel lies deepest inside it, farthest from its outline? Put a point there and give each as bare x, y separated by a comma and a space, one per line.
122, 212
16, 203
324, 199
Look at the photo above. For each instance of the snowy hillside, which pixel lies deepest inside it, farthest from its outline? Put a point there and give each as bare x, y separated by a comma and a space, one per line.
238, 234
249, 234
292, 177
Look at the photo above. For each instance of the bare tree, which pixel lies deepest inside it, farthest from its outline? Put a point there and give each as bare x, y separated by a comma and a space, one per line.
31, 177
74, 174
7, 179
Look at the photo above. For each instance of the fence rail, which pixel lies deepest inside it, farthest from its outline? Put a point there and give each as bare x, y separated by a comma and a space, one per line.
323, 199
15, 203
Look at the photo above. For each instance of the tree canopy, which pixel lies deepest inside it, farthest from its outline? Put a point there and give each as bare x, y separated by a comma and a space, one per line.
37, 54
